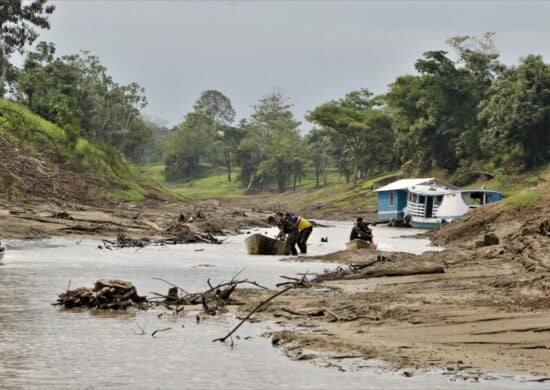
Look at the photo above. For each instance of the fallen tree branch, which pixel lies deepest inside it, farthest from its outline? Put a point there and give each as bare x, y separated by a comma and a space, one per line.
159, 330
172, 284
222, 339
386, 272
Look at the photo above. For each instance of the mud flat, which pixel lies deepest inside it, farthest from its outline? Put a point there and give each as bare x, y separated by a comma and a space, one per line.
489, 311
43, 219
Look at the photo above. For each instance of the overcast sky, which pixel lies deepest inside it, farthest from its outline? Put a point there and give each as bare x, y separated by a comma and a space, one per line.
314, 51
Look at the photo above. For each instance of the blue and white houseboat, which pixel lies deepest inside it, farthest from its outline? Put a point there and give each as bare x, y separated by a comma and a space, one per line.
428, 203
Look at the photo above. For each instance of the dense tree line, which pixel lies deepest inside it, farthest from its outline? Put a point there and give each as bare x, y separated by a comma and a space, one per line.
462, 112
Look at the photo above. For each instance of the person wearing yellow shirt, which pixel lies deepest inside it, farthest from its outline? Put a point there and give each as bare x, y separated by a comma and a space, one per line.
305, 228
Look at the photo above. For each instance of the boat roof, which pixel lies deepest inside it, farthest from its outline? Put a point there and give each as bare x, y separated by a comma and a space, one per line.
403, 184
431, 190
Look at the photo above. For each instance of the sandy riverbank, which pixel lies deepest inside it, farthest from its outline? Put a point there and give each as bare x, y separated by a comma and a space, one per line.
488, 312
50, 219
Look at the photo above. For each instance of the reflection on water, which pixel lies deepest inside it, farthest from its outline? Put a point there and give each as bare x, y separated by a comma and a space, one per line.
42, 347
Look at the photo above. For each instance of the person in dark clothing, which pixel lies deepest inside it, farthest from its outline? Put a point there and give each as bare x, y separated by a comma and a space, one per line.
288, 231
360, 231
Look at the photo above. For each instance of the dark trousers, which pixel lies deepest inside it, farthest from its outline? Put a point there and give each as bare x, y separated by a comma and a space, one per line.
290, 242
302, 239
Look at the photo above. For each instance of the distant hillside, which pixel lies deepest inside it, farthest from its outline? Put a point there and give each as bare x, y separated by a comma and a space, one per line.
337, 200
40, 159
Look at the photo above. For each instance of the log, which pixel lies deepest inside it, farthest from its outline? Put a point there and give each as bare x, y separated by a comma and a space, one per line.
396, 272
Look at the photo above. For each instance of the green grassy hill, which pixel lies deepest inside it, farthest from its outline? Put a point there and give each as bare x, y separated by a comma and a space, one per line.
39, 157
338, 199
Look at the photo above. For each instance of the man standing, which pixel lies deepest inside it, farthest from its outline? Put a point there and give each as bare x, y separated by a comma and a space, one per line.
305, 228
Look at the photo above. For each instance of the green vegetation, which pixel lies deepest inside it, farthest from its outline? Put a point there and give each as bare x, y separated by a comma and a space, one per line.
50, 143
462, 117
523, 200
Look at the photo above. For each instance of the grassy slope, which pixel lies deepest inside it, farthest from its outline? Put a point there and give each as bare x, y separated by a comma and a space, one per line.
119, 179
338, 198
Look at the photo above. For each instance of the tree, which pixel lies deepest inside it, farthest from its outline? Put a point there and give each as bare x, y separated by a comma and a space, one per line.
435, 113
272, 143
516, 115
355, 120
76, 92
480, 68
190, 142
216, 106
318, 142
206, 135
17, 22
230, 138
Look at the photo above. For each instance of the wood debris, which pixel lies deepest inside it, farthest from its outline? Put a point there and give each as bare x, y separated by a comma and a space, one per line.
105, 295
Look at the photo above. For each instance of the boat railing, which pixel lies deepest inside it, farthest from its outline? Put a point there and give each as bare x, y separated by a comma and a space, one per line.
416, 209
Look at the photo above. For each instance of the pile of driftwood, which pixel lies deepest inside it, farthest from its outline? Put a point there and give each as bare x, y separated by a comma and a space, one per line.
105, 295
183, 237
214, 300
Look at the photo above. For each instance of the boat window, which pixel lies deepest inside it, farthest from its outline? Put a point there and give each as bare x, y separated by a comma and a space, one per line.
392, 200
438, 200
422, 199
490, 198
473, 198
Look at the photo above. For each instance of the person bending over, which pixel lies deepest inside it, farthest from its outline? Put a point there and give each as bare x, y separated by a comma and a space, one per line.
288, 231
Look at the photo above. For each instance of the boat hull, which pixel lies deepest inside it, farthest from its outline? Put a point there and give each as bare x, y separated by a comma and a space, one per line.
424, 223
258, 244
359, 244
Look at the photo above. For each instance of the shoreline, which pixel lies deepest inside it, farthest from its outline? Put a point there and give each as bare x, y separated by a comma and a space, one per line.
489, 312
414, 323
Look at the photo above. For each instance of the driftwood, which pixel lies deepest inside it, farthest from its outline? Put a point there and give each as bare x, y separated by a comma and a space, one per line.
123, 241
222, 339
214, 300
378, 259
302, 282
395, 272
105, 295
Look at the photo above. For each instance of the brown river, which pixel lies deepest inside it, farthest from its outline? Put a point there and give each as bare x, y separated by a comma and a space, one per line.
43, 347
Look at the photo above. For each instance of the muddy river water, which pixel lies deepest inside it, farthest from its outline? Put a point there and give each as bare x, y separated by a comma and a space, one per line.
42, 347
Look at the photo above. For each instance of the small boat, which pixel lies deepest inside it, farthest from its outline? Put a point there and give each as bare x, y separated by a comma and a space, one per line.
360, 244
258, 244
